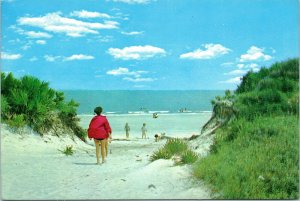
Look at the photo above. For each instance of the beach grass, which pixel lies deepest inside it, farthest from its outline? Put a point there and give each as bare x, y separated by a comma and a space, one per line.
175, 148
254, 160
68, 151
256, 155
189, 157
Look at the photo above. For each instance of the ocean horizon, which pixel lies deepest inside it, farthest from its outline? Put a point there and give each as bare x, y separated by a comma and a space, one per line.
181, 113
143, 101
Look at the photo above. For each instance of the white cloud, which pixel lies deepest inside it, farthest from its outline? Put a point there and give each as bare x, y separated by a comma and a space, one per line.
255, 54
138, 79
236, 72
51, 58
125, 71
135, 75
33, 34
41, 42
211, 51
251, 65
8, 56
88, 14
235, 80
240, 65
133, 1
53, 22
101, 39
25, 47
227, 64
79, 57
30, 34
136, 52
132, 33
119, 71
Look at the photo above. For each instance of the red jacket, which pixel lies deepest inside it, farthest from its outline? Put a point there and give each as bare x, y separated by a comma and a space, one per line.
99, 128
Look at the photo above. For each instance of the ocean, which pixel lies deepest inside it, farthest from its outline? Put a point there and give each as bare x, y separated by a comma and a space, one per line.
180, 113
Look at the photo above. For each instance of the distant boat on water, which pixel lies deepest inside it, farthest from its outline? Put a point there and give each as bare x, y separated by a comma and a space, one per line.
141, 111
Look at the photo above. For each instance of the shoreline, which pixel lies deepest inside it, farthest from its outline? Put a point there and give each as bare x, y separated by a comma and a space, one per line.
173, 125
150, 113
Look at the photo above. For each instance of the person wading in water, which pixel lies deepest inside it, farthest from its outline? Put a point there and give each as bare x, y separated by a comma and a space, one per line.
127, 129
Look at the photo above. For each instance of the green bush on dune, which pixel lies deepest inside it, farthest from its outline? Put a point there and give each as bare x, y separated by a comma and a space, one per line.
32, 102
256, 156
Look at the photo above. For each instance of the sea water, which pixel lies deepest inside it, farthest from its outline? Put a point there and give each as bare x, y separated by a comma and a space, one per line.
180, 113
175, 125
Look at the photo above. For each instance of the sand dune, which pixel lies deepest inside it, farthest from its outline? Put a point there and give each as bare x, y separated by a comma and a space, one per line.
34, 168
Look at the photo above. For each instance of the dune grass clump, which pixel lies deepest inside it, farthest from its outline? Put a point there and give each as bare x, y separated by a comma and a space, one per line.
172, 147
189, 157
175, 147
68, 151
160, 154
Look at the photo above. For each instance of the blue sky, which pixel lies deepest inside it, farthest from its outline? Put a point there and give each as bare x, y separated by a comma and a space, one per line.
146, 44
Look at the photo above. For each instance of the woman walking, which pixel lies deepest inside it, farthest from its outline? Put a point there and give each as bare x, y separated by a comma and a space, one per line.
100, 130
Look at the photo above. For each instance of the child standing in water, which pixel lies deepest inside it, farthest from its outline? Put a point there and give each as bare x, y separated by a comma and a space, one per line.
144, 130
127, 129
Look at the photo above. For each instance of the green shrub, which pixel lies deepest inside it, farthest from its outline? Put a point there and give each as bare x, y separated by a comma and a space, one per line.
288, 85
17, 123
81, 133
38, 104
4, 108
269, 96
256, 156
268, 83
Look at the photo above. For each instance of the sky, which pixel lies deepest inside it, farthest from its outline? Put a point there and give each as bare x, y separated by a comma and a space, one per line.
146, 44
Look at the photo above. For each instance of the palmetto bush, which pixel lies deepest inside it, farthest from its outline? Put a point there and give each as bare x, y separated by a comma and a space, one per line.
38, 103
17, 123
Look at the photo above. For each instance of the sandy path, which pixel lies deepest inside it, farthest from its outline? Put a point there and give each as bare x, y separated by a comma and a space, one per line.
34, 169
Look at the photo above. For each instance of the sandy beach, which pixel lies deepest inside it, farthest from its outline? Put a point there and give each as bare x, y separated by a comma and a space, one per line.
34, 168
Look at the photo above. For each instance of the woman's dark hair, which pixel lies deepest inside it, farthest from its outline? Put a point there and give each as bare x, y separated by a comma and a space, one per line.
98, 110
